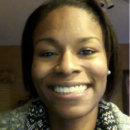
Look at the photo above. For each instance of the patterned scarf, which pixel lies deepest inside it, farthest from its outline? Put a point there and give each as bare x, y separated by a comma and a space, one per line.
37, 118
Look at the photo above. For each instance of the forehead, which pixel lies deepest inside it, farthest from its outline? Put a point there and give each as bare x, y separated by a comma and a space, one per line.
70, 20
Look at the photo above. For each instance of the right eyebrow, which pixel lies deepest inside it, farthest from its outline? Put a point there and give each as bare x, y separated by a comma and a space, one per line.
50, 40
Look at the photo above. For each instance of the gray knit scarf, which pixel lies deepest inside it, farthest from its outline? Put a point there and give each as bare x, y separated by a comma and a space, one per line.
37, 118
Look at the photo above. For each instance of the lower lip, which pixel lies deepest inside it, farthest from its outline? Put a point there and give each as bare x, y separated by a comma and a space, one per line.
70, 96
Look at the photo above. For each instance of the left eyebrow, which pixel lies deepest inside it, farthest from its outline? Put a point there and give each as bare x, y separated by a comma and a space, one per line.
85, 39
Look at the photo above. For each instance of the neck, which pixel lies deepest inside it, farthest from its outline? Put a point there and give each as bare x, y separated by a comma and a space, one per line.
87, 122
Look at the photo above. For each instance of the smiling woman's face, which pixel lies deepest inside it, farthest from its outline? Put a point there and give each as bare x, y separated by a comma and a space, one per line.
69, 53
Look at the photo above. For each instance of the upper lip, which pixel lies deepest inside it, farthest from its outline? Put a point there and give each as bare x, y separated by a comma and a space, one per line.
65, 84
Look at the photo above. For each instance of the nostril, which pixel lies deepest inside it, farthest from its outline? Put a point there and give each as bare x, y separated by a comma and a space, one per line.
59, 73
76, 72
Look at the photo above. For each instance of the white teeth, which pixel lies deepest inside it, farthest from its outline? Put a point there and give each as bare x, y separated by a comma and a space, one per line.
61, 89
73, 89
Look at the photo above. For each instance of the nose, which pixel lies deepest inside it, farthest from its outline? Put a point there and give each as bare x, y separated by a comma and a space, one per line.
68, 64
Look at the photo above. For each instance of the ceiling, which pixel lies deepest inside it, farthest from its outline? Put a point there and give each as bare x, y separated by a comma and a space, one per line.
14, 13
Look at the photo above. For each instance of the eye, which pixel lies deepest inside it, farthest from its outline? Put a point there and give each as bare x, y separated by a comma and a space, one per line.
47, 54
87, 52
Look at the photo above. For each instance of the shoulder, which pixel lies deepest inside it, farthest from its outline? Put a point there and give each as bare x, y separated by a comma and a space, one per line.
123, 121
14, 119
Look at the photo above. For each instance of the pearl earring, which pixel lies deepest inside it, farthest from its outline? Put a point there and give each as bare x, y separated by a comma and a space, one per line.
109, 72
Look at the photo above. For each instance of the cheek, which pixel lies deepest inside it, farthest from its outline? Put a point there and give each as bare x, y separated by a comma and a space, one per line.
39, 70
99, 71
100, 76
99, 68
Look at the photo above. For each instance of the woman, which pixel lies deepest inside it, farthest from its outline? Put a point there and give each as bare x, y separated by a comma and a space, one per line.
69, 50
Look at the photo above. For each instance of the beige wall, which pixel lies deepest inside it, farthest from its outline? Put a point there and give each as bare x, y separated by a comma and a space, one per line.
10, 59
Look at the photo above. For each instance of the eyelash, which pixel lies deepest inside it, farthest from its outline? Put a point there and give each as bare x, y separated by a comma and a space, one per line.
87, 52
44, 54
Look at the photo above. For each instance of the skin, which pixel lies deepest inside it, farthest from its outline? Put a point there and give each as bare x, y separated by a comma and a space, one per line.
73, 30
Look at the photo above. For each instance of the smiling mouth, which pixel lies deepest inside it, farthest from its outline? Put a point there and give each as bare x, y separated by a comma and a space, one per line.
68, 89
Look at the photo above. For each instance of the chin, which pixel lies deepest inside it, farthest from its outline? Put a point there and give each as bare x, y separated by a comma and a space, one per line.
71, 112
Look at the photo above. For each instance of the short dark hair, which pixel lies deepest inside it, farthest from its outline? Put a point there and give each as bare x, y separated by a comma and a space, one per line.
110, 42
